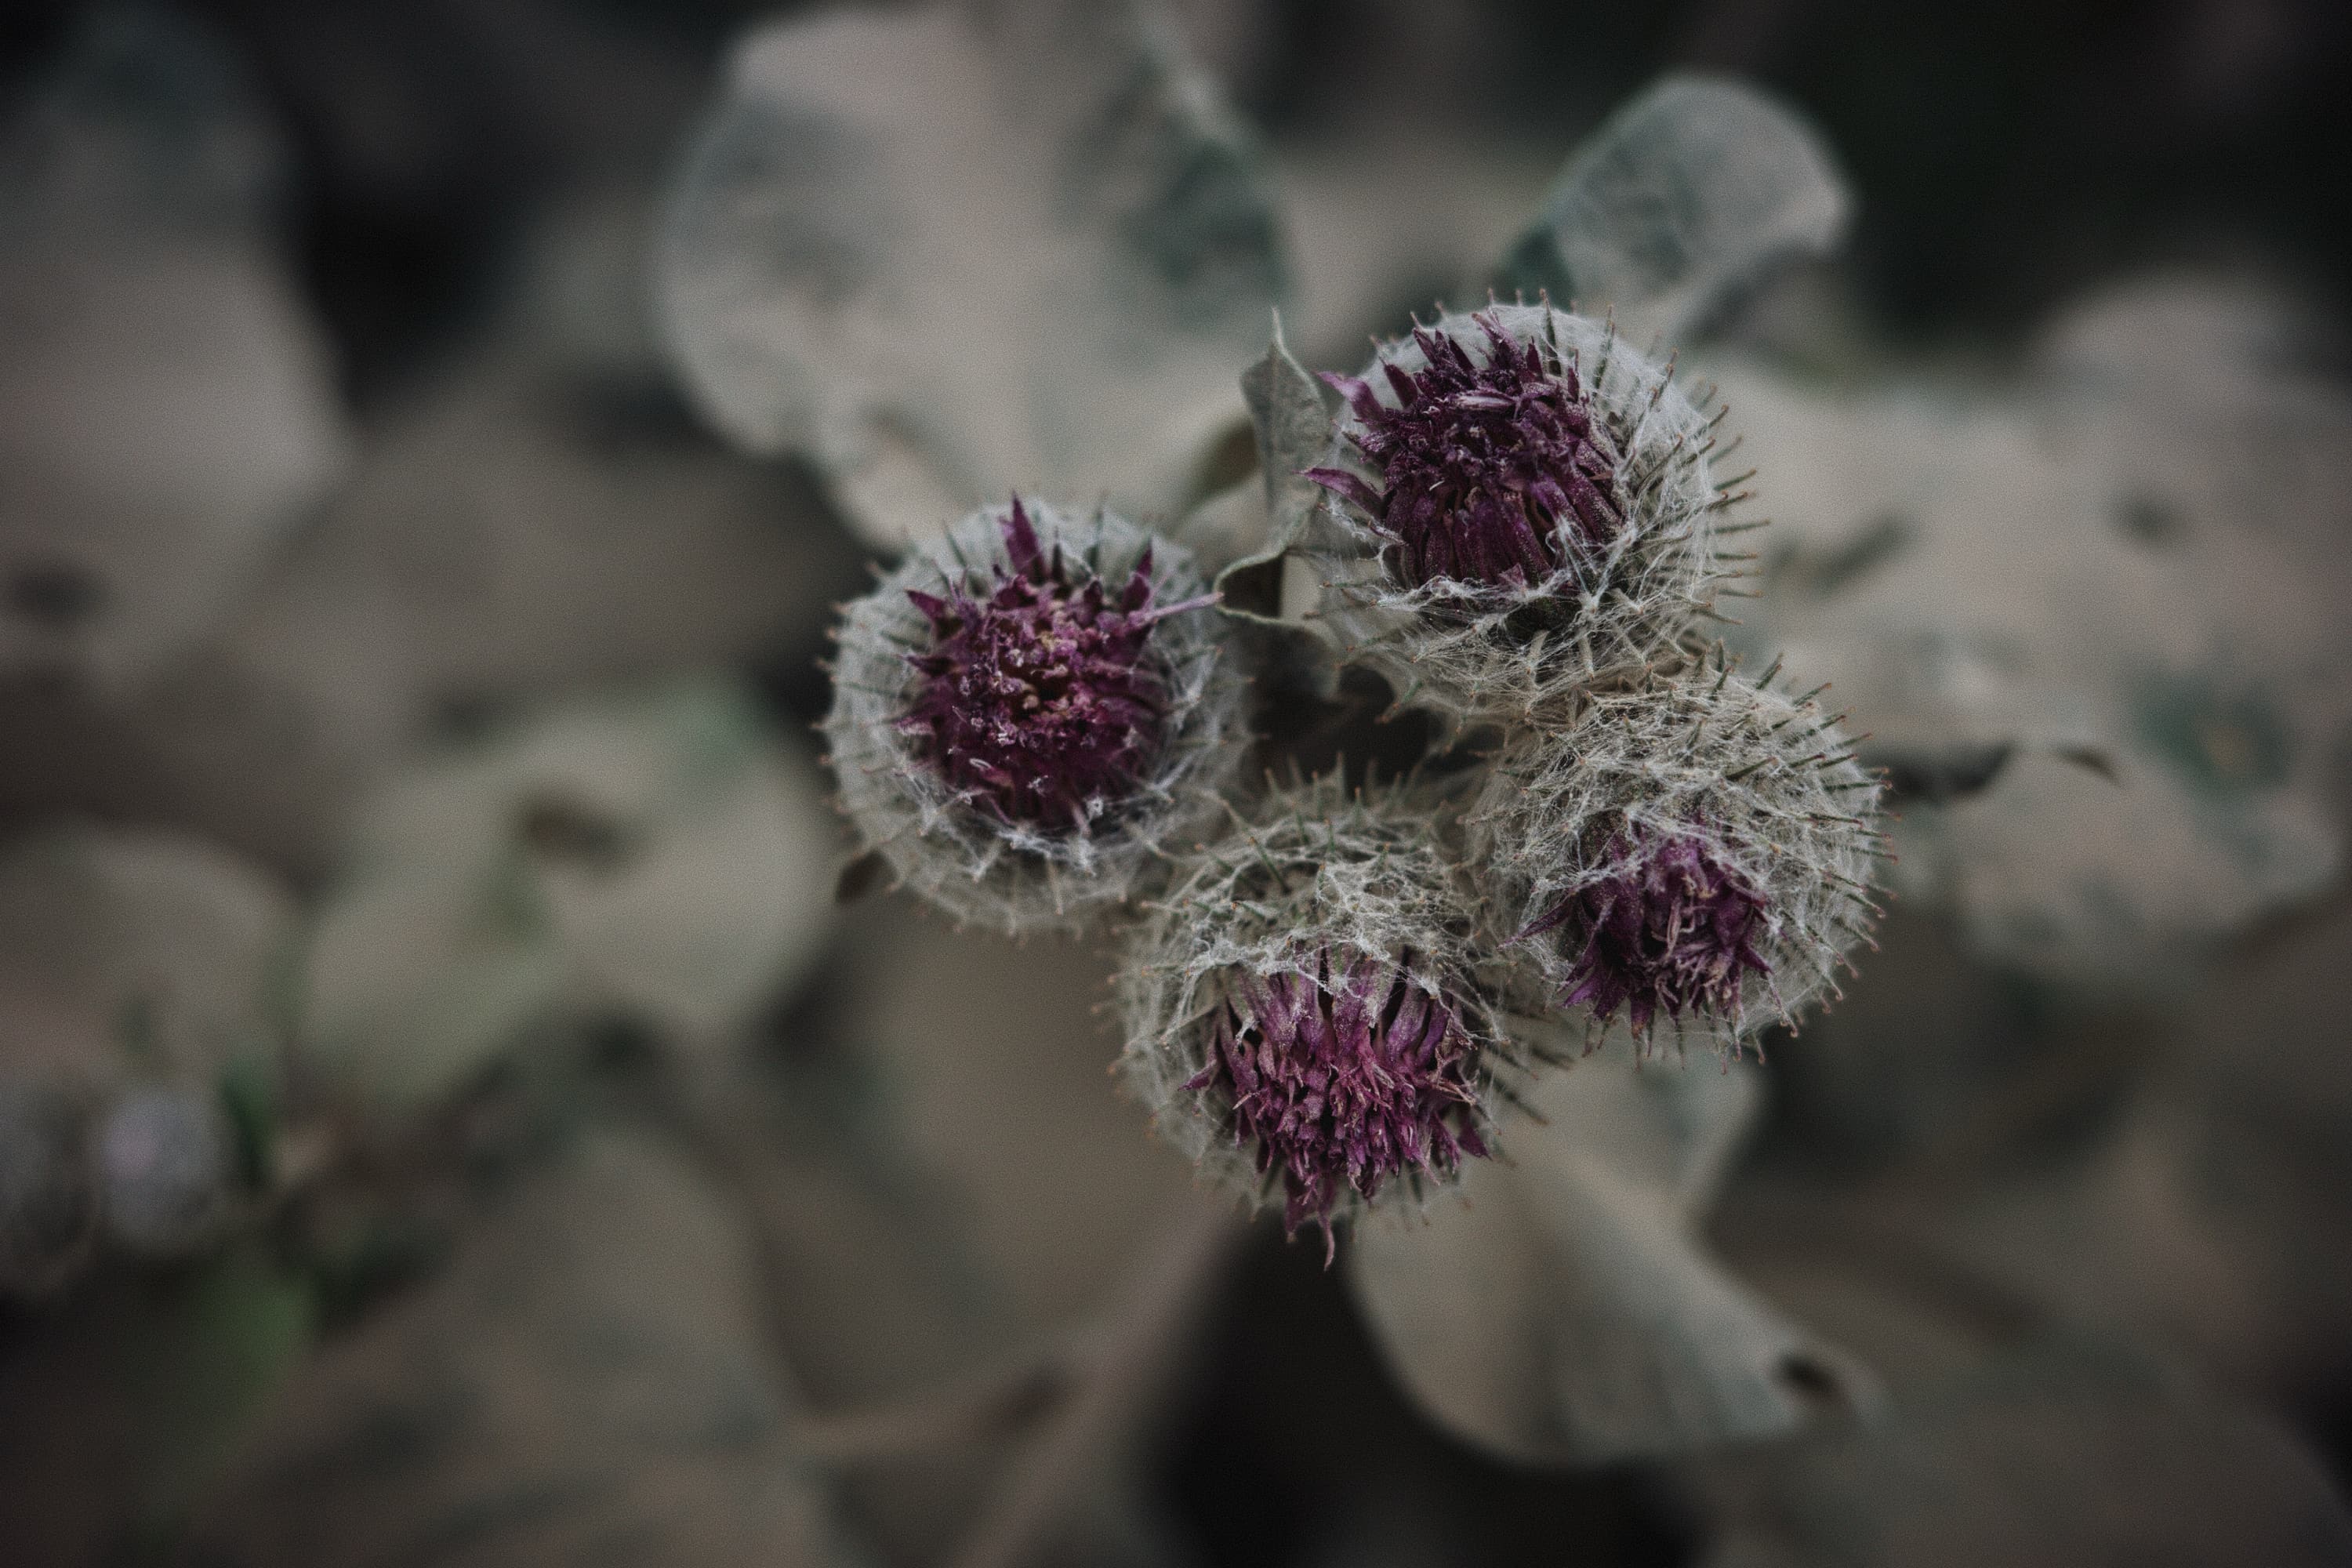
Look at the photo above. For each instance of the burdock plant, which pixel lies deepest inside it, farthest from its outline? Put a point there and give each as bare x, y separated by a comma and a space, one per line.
1330, 994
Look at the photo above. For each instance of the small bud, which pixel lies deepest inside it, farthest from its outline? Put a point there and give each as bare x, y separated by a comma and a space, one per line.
1304, 1010
48, 1204
166, 1161
1517, 503
1688, 848
1029, 710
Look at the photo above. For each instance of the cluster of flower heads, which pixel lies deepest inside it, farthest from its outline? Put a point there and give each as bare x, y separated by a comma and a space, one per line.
1328, 994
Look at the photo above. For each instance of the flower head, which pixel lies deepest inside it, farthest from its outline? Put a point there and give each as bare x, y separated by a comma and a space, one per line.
1685, 847
1342, 1079
1493, 467
1030, 711
1669, 926
1042, 703
1306, 1009
1517, 504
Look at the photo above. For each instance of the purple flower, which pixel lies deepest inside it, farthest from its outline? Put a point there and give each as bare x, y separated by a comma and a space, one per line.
1669, 928
1044, 700
1344, 1082
1492, 473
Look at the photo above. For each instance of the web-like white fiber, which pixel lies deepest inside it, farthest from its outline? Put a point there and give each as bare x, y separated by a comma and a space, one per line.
1768, 781
1481, 649
972, 863
1311, 873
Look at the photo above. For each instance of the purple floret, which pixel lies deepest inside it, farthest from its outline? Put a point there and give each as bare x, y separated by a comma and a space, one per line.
1044, 703
1344, 1081
1669, 929
1491, 473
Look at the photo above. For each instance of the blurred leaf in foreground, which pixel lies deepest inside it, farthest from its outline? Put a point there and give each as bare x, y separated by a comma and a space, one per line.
588, 1381
167, 406
662, 853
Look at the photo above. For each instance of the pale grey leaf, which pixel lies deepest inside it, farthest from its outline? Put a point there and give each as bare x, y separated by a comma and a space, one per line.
661, 851
950, 251
1683, 197
127, 951
2064, 1453
589, 1380
168, 409
2107, 577
1562, 1309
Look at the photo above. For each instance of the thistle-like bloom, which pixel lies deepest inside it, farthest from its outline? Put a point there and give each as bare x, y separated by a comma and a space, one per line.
1518, 504
1343, 1080
1688, 848
1031, 710
1492, 471
1040, 703
1305, 1011
1670, 927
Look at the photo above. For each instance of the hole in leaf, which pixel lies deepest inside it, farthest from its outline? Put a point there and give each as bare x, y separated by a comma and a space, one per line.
558, 828
2150, 519
1226, 460
859, 878
57, 593
1937, 777
1813, 1383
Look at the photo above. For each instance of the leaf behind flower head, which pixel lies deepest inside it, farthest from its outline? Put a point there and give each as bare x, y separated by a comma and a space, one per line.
1562, 1310
951, 250
1683, 198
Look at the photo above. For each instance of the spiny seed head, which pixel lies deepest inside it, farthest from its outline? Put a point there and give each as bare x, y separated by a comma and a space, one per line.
1342, 1079
1515, 504
1306, 1010
1493, 468
1029, 710
1670, 926
1686, 849
1040, 703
